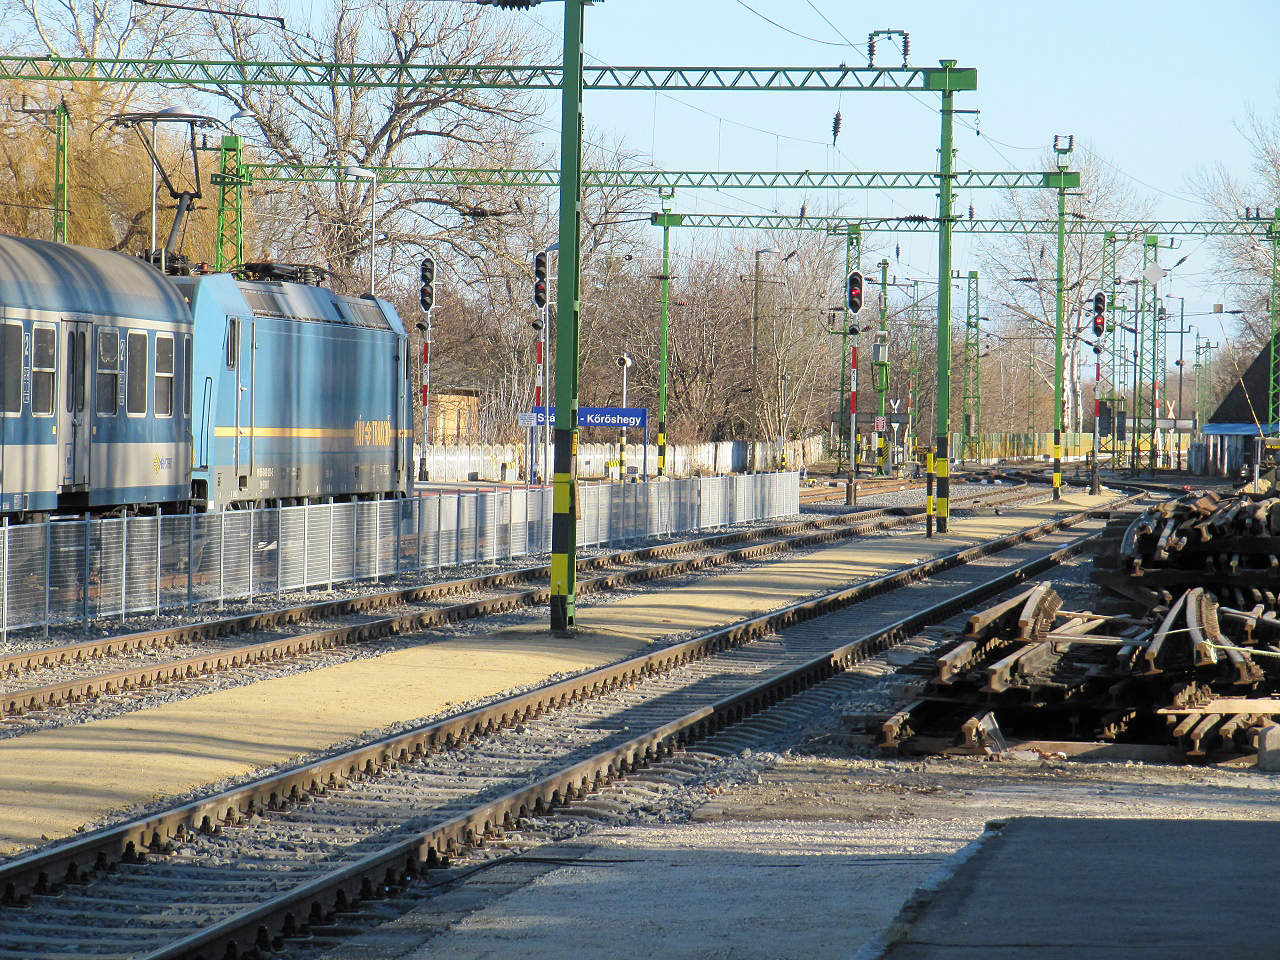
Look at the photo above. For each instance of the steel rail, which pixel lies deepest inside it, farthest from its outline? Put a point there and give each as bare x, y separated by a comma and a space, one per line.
76, 860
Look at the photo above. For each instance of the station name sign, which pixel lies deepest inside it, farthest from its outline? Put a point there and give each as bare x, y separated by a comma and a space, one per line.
594, 417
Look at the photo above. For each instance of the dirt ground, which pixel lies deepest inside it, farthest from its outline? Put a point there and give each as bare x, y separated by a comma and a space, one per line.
812, 858
974, 789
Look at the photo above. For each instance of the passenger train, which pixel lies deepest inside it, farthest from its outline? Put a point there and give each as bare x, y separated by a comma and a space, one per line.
121, 387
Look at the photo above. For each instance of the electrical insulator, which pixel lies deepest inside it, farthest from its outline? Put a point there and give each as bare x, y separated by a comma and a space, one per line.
906, 49
835, 128
871, 50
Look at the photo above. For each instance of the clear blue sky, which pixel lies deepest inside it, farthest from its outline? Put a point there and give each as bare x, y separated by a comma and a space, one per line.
1158, 88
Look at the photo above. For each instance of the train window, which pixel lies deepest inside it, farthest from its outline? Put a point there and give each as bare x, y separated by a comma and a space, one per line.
73, 371
135, 387
233, 342
77, 373
164, 376
186, 375
44, 361
108, 372
11, 367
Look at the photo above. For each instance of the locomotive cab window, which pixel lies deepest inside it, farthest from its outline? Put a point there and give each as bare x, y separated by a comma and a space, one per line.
233, 343
108, 385
11, 368
164, 376
44, 362
135, 387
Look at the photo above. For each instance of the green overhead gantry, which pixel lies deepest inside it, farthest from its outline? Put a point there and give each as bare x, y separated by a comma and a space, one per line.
649, 179
922, 224
490, 77
571, 77
1149, 343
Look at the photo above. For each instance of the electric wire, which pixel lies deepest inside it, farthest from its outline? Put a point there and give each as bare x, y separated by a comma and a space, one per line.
784, 29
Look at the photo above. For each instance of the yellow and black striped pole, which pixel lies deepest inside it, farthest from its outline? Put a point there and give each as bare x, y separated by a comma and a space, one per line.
928, 493
1057, 461
946, 217
1063, 180
666, 220
564, 517
942, 467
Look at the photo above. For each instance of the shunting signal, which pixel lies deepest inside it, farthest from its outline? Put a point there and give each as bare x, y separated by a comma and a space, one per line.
427, 295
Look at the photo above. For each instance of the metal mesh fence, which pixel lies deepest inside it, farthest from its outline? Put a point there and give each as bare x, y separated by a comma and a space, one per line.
77, 570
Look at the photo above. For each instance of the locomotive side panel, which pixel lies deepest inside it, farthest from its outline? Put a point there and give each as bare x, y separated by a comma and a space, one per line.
323, 423
299, 394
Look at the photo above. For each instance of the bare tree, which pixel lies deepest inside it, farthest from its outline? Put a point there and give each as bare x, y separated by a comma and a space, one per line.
110, 172
1019, 271
1243, 265
371, 126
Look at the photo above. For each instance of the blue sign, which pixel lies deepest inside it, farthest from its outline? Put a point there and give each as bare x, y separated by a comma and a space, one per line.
602, 416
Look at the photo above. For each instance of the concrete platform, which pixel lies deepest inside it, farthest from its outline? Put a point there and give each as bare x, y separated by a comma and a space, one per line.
1082, 889
53, 781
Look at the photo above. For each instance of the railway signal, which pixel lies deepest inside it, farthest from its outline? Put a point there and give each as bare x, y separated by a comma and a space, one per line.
540, 279
1106, 419
853, 290
427, 295
1099, 313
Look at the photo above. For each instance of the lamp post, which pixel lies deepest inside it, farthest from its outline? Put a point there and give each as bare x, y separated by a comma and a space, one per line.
372, 176
624, 363
1182, 330
1136, 330
755, 352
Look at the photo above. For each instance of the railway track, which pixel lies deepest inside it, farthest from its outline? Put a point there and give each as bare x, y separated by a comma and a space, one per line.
834, 490
43, 678
252, 870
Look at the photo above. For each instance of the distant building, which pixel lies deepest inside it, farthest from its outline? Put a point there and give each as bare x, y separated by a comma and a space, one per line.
1231, 432
455, 415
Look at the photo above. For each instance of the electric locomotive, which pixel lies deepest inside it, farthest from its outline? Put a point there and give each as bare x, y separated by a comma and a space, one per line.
121, 387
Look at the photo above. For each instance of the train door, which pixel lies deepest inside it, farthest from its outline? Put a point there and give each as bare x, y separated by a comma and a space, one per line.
76, 437
242, 358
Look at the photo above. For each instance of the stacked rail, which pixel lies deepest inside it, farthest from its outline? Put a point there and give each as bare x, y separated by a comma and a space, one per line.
1194, 675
